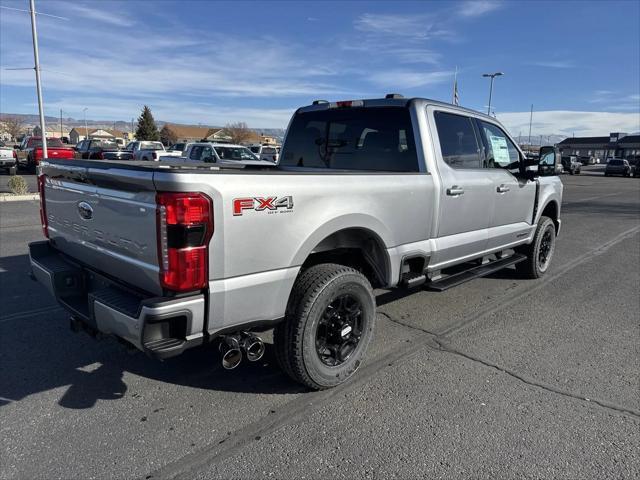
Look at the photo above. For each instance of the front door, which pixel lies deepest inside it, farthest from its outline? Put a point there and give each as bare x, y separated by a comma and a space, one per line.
513, 196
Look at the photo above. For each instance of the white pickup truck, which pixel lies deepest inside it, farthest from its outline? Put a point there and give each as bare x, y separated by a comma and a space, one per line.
220, 154
149, 151
388, 193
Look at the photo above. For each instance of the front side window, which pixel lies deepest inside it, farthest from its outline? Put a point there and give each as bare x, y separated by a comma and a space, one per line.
500, 151
360, 138
458, 142
195, 152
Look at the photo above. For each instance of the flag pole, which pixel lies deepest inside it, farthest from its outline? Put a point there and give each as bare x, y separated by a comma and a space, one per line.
455, 87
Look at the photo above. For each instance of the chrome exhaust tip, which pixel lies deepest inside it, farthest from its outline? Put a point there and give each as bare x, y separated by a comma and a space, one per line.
253, 347
231, 352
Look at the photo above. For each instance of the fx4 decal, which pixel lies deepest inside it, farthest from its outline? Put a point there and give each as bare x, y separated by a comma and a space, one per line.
261, 204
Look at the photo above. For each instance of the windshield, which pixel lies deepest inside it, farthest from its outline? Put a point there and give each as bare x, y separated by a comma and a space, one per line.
269, 150
51, 142
178, 146
151, 146
255, 149
235, 153
105, 144
367, 138
615, 162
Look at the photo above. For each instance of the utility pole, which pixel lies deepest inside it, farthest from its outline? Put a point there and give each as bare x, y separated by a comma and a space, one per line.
61, 134
86, 130
492, 76
530, 121
36, 58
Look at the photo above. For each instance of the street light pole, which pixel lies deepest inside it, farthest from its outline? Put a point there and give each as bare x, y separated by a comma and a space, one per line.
492, 76
36, 57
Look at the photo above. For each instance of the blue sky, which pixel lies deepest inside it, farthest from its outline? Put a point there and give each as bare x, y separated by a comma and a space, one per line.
216, 62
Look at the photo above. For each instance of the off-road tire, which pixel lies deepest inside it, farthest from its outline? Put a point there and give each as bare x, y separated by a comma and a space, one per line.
295, 338
532, 267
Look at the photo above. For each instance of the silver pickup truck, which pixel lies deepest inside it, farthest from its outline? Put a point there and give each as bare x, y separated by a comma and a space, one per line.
368, 194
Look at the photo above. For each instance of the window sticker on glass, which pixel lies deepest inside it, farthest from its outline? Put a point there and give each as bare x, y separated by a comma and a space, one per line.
500, 150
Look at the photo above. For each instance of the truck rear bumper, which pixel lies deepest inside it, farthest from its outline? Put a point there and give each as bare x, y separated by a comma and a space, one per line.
161, 327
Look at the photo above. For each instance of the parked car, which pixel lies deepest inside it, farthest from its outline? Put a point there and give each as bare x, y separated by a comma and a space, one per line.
8, 157
148, 150
222, 154
101, 150
571, 165
177, 256
265, 152
31, 154
617, 166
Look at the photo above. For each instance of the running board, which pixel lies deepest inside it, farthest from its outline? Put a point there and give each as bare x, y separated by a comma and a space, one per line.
474, 272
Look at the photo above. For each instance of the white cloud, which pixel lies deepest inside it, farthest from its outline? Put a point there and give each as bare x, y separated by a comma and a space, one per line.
564, 122
404, 79
475, 8
117, 18
553, 64
418, 27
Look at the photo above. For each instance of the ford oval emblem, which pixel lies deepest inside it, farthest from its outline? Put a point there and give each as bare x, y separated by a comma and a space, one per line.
85, 210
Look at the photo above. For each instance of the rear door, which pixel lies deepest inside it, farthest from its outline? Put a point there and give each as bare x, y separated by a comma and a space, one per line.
466, 199
513, 197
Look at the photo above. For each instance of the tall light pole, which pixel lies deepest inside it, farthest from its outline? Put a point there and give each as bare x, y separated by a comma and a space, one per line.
36, 58
492, 76
86, 130
530, 122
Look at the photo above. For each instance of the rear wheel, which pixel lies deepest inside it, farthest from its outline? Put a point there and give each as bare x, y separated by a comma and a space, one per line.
328, 326
540, 251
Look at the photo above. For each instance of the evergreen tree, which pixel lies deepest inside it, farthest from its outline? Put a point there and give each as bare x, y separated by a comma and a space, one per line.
147, 129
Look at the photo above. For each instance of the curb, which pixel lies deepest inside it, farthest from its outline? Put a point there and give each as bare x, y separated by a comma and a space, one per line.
18, 198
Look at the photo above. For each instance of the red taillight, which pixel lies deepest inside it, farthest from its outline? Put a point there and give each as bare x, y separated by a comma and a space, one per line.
185, 226
100, 156
15, 155
43, 206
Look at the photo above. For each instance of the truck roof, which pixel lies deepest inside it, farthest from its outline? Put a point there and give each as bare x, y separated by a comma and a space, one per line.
395, 101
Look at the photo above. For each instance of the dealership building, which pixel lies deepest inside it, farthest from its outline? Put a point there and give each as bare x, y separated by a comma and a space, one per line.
619, 145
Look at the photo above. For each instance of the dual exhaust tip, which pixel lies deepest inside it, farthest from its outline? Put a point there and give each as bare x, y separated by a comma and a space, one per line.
233, 347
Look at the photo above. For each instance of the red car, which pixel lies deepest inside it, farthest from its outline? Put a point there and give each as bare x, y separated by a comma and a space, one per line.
32, 152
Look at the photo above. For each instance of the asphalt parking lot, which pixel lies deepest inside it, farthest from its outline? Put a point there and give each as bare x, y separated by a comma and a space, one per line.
498, 378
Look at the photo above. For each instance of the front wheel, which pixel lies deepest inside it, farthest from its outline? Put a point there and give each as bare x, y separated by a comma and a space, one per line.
328, 326
540, 251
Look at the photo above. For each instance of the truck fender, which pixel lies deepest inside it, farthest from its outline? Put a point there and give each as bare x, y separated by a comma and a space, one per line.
366, 224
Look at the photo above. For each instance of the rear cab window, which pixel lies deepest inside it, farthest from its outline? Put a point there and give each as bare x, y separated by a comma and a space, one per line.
360, 139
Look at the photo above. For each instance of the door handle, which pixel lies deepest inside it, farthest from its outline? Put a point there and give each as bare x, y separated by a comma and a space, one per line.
454, 191
502, 189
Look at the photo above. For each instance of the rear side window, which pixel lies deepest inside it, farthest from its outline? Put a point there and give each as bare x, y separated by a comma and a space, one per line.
458, 141
364, 139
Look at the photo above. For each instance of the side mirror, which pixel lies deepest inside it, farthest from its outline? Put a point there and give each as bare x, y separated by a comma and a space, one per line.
548, 163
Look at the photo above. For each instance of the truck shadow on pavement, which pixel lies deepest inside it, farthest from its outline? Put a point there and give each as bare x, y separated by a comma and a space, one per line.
39, 353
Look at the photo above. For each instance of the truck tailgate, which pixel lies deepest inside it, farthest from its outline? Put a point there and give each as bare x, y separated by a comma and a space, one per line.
106, 219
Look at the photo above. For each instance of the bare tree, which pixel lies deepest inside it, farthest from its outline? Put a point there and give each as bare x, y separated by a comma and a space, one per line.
12, 125
167, 136
239, 132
